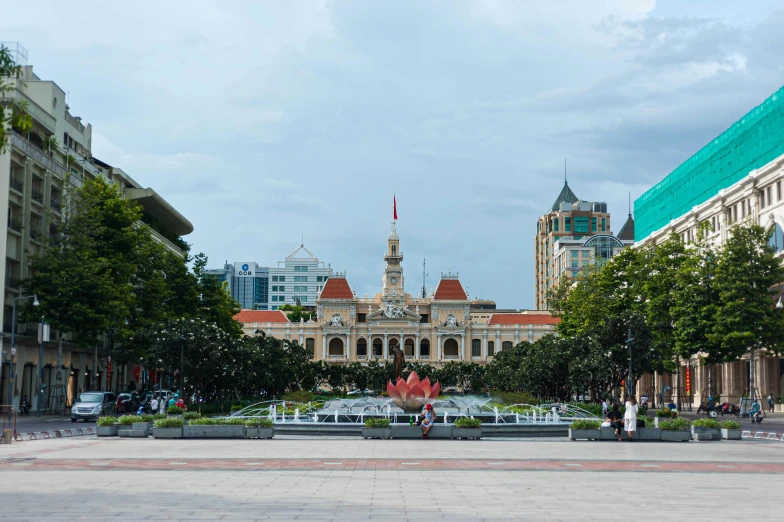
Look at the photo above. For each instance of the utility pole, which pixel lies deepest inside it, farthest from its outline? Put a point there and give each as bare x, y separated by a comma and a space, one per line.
629, 341
43, 336
424, 279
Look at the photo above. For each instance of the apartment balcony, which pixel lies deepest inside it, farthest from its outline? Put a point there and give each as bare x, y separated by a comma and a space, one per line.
30, 150
15, 224
17, 185
37, 196
36, 234
12, 282
55, 204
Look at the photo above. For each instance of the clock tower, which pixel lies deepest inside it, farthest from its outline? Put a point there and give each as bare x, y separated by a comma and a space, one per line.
392, 282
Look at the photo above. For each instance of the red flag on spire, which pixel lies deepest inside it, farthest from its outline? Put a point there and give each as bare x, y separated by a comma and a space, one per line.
394, 207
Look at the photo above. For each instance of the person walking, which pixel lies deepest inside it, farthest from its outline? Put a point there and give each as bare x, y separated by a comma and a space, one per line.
604, 407
770, 403
162, 405
154, 404
428, 420
630, 416
616, 420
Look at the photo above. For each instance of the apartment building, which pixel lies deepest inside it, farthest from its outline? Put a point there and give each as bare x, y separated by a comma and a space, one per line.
35, 169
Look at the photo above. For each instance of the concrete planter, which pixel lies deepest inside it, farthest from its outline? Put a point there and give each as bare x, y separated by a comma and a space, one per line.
141, 429
106, 431
466, 433
258, 433
438, 431
124, 430
167, 433
675, 435
702, 433
648, 434
214, 432
587, 434
731, 434
377, 433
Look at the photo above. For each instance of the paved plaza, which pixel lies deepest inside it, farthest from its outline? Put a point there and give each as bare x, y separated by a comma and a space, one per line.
344, 479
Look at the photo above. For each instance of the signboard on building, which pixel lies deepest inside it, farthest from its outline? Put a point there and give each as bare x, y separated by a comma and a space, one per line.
688, 381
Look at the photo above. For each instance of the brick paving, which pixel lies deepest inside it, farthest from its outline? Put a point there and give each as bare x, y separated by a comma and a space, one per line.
353, 479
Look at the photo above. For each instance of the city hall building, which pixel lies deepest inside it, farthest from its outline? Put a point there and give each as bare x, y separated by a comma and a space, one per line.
736, 178
444, 326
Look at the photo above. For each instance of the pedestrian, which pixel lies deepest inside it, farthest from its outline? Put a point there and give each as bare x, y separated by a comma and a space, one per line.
174, 399
162, 405
755, 413
428, 420
644, 401
181, 404
770, 403
154, 404
616, 420
604, 407
630, 416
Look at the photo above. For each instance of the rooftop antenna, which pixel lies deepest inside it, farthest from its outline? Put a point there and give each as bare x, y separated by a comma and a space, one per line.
424, 278
630, 203
302, 241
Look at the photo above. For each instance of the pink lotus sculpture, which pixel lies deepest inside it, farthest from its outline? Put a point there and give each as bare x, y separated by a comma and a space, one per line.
412, 394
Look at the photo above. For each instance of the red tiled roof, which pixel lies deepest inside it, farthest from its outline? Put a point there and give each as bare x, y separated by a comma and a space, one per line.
336, 288
450, 289
523, 319
261, 316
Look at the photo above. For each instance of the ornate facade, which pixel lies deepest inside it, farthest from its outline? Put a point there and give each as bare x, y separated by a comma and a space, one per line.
435, 329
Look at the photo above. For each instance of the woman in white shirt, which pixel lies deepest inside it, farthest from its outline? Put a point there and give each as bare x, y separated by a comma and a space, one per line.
630, 416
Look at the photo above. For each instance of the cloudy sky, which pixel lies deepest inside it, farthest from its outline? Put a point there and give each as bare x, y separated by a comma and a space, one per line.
263, 121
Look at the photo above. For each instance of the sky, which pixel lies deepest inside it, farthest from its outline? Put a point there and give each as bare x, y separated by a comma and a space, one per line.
265, 122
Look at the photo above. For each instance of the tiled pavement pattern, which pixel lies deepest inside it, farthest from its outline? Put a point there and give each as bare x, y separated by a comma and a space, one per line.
353, 479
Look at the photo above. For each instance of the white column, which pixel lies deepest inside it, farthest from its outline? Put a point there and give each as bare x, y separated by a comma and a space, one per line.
385, 348
348, 345
484, 345
439, 347
324, 347
416, 347
517, 337
462, 346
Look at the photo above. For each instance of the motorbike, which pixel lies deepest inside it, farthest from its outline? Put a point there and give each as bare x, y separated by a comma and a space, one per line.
730, 409
24, 407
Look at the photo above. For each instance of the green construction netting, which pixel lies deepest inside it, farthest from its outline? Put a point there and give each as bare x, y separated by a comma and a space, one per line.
751, 142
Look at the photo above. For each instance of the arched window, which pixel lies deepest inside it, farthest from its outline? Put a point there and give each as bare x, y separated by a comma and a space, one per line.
336, 347
776, 240
310, 345
490, 348
377, 348
506, 345
476, 348
361, 348
603, 246
451, 349
424, 349
394, 250
408, 347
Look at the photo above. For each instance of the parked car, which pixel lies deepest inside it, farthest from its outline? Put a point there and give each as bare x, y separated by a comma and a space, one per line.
91, 405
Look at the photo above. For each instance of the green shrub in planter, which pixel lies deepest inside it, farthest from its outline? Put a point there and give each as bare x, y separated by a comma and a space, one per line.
158, 416
169, 422
174, 410
665, 412
190, 415
727, 425
127, 420
202, 422
147, 417
259, 422
584, 424
679, 424
231, 421
106, 421
468, 422
707, 423
377, 422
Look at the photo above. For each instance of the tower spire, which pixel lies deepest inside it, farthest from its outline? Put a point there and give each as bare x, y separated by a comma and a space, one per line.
630, 203
565, 182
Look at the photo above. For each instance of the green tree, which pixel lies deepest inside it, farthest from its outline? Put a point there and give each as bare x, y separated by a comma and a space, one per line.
17, 116
295, 313
746, 272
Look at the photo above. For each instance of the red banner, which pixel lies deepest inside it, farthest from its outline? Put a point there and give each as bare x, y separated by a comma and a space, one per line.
137, 373
109, 375
688, 381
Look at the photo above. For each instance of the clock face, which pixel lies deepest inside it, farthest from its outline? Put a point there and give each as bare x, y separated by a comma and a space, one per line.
393, 280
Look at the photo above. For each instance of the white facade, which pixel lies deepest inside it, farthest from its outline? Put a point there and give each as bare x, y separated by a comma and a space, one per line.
300, 277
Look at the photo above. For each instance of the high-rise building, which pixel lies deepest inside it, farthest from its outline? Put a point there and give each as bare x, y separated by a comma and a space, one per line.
568, 217
297, 280
35, 168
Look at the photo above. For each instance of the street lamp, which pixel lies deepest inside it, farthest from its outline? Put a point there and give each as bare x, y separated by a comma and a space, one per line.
13, 344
